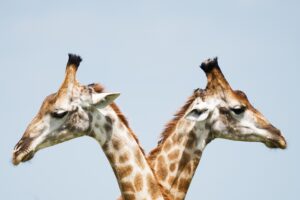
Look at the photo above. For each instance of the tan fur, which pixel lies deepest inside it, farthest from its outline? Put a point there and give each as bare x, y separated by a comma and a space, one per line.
170, 127
73, 110
138, 182
98, 88
177, 148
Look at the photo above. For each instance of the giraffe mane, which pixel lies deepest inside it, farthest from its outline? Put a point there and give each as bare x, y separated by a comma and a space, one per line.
171, 125
99, 88
167, 132
124, 120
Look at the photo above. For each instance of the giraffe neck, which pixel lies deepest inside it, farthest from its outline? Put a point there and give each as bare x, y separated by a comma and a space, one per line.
177, 157
135, 178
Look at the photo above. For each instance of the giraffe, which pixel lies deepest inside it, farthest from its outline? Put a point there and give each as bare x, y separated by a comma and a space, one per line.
85, 110
218, 111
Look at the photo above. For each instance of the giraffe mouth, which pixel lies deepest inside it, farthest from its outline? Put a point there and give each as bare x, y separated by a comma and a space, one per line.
276, 143
23, 156
24, 150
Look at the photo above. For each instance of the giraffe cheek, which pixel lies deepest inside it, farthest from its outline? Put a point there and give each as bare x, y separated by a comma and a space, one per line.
78, 122
219, 126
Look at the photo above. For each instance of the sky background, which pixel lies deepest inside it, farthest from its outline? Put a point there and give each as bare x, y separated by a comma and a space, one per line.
150, 52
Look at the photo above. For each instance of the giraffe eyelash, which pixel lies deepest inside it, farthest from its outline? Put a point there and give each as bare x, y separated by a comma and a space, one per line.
59, 115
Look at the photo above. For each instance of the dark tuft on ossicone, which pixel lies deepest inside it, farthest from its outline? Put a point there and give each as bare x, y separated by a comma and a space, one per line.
74, 60
209, 64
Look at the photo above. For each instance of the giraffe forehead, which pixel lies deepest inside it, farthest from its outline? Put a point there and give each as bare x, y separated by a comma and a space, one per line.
237, 96
48, 104
66, 101
228, 98
209, 102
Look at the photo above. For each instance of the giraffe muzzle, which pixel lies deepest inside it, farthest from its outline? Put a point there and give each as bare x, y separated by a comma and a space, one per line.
22, 151
279, 142
22, 157
275, 140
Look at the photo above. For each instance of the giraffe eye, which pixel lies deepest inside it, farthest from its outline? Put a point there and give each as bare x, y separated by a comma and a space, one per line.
238, 109
59, 114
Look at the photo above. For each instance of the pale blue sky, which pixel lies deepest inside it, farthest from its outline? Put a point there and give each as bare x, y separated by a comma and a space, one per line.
150, 52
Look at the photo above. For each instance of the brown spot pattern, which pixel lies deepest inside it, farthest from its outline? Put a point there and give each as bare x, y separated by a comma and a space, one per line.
138, 182
167, 146
111, 157
116, 144
127, 187
108, 128
172, 167
188, 168
183, 185
139, 159
105, 146
184, 160
124, 171
108, 120
153, 188
173, 155
129, 196
123, 158
191, 142
162, 170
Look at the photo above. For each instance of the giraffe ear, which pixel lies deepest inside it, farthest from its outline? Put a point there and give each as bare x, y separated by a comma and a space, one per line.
102, 100
197, 114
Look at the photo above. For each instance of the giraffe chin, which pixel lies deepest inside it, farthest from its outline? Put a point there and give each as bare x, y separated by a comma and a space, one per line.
275, 144
22, 157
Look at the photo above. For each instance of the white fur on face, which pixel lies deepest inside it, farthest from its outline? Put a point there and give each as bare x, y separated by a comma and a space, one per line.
63, 116
229, 125
202, 134
47, 130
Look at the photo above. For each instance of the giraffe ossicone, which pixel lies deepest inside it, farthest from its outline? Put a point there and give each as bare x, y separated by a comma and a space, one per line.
85, 110
218, 111
215, 112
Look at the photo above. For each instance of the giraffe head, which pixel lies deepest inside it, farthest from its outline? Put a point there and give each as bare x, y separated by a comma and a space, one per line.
228, 114
64, 115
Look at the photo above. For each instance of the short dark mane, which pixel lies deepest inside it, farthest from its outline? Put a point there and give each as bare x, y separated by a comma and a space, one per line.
170, 127
99, 88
